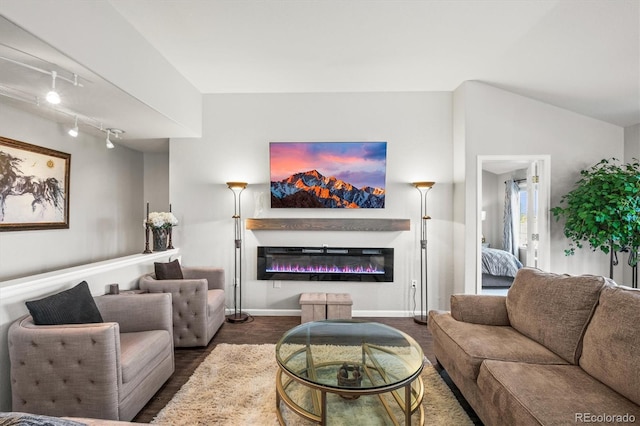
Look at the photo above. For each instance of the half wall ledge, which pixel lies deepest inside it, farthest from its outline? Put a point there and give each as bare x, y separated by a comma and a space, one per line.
312, 224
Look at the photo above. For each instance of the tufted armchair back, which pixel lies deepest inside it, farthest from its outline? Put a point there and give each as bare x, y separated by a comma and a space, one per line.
198, 303
106, 370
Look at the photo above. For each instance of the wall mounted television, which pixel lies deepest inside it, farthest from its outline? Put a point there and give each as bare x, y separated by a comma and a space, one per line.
322, 175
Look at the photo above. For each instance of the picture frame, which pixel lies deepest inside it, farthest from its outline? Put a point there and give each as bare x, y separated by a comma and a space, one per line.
34, 187
342, 175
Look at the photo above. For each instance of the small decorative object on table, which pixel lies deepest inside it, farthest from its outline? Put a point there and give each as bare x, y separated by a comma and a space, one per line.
160, 224
353, 380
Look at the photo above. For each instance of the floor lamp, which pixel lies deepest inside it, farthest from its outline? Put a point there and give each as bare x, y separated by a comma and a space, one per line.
238, 315
424, 188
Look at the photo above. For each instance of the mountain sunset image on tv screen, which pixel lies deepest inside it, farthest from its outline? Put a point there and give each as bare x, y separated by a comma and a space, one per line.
349, 175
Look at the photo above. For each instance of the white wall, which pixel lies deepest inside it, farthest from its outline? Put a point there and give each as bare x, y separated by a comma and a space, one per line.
632, 143
156, 181
236, 134
460, 197
491, 198
106, 207
497, 122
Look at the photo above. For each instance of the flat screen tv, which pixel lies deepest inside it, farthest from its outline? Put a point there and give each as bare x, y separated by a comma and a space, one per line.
347, 175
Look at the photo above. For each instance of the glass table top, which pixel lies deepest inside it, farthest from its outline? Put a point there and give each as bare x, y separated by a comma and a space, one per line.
347, 354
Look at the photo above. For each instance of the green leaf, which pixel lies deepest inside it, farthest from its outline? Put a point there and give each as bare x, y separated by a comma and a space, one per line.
603, 209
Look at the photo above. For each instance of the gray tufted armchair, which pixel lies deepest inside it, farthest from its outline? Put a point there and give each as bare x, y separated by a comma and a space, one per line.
106, 370
198, 303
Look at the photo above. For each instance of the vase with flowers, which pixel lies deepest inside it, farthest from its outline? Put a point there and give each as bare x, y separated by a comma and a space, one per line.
161, 224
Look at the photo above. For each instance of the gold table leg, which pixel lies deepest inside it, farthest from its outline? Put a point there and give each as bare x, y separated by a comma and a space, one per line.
323, 414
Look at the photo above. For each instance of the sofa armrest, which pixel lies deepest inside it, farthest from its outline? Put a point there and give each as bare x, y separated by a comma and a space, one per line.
137, 312
480, 309
214, 276
70, 370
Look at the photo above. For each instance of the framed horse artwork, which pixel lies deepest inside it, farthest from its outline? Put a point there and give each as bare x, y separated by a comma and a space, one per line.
34, 187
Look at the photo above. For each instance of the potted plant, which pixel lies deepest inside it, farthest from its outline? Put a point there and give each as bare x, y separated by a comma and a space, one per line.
161, 224
603, 209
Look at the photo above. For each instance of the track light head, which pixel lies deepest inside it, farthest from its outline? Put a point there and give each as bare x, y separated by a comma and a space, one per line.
110, 144
53, 97
73, 132
116, 133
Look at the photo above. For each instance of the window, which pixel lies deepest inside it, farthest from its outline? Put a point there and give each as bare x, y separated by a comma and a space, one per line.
524, 205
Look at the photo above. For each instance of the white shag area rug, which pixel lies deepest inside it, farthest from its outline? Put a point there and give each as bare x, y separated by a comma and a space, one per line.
235, 385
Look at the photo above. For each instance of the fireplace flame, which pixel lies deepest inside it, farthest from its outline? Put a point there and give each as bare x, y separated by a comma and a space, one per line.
325, 269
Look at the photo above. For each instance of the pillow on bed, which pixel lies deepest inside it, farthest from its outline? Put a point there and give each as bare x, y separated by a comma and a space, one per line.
73, 306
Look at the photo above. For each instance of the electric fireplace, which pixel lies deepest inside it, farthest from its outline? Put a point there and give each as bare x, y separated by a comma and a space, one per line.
325, 264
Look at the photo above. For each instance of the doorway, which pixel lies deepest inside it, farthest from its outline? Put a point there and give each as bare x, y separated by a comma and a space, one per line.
512, 213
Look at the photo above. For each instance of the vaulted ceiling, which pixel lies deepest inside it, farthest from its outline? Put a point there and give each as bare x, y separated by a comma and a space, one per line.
583, 56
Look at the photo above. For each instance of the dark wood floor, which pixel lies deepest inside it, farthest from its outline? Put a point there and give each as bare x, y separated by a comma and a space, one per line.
261, 330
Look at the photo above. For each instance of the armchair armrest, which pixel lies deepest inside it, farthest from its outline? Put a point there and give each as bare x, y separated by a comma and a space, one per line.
137, 312
65, 370
214, 276
480, 309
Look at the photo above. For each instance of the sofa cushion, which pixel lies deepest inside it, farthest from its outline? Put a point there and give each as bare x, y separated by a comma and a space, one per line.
612, 342
215, 301
470, 344
72, 306
168, 271
553, 309
480, 309
142, 350
534, 394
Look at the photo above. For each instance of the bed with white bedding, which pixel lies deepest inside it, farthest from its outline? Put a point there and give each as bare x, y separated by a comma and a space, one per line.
498, 268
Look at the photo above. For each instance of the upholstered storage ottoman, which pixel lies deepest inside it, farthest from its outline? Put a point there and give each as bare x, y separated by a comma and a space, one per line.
339, 306
313, 306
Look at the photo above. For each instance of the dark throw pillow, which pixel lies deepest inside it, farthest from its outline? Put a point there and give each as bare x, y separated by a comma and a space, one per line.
168, 271
73, 306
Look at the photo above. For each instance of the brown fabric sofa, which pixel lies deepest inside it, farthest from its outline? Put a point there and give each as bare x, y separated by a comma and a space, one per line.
106, 370
198, 303
556, 350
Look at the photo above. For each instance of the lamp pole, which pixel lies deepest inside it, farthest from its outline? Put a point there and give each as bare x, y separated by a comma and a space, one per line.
423, 188
238, 315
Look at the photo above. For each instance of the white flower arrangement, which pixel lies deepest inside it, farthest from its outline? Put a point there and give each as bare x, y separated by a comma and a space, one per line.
161, 220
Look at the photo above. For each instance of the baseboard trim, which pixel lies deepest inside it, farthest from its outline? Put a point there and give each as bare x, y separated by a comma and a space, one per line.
297, 313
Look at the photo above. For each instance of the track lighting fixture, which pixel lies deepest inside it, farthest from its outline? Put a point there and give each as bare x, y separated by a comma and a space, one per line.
73, 132
116, 133
53, 97
110, 144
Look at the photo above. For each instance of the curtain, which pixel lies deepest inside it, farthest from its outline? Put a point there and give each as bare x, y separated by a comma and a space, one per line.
511, 217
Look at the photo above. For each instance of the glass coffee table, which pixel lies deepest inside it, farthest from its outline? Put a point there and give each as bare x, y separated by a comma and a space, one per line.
348, 371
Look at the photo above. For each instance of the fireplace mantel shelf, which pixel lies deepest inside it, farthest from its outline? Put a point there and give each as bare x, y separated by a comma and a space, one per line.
328, 224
